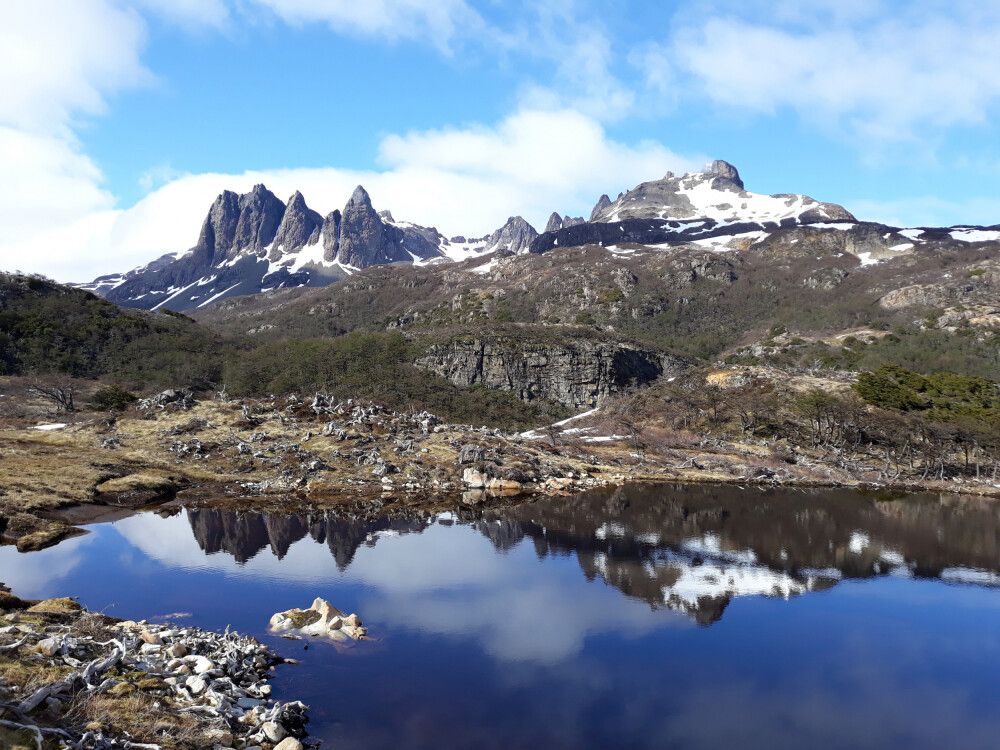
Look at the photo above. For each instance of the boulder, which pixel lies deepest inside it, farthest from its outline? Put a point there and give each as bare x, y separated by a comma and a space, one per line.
321, 620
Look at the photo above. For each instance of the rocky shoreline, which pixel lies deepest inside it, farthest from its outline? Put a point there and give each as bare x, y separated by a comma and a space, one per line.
355, 455
70, 678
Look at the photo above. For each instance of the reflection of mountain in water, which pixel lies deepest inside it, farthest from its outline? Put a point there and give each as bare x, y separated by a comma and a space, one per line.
244, 534
687, 548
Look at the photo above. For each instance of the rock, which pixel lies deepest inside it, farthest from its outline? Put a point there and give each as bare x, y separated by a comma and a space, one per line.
289, 743
48, 647
201, 665
177, 650
321, 620
26, 739
273, 731
151, 638
470, 454
474, 479
727, 170
578, 373
195, 684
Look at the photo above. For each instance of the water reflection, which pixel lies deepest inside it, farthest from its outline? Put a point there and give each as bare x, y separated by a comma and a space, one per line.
690, 549
573, 622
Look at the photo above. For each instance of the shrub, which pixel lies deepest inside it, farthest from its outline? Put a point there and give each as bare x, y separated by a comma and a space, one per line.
112, 398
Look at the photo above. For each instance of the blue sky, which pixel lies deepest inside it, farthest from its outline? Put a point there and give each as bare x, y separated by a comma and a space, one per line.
123, 119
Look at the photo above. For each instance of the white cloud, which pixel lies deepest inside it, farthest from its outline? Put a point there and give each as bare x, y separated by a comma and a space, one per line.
874, 72
59, 60
462, 180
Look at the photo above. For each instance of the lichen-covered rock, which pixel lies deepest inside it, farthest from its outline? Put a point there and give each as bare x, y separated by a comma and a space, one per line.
321, 620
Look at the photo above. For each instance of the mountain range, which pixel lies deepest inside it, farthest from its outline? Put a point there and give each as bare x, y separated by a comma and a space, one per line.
254, 243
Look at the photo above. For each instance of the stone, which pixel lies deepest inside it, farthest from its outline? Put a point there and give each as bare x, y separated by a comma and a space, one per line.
321, 620
177, 650
25, 739
289, 743
151, 638
195, 684
48, 647
201, 665
273, 731
474, 478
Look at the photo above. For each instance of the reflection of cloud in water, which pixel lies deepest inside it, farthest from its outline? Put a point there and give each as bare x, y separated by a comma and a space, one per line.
446, 581
871, 710
36, 574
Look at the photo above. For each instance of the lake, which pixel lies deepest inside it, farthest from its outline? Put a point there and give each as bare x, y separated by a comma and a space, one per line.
632, 617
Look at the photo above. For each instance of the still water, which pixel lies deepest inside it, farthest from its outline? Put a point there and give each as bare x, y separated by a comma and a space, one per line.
639, 617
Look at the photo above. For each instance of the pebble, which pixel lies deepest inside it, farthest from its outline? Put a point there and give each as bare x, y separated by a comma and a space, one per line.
289, 743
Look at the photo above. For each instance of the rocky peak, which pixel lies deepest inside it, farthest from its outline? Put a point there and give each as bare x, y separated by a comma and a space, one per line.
557, 222
603, 203
260, 215
359, 198
219, 228
515, 236
331, 235
724, 169
386, 216
717, 194
300, 226
366, 240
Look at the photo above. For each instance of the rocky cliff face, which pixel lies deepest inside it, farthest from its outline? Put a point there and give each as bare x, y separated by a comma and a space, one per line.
514, 237
577, 373
365, 238
299, 226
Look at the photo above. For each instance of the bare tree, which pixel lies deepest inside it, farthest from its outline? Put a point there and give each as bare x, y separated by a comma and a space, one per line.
63, 395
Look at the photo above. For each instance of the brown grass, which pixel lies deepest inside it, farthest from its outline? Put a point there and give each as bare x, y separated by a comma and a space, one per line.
144, 718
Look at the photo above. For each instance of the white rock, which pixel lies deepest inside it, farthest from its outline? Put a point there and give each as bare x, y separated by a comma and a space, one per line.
202, 664
195, 684
273, 731
322, 619
48, 647
289, 743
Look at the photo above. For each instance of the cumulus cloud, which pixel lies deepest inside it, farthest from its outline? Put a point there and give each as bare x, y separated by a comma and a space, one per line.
58, 62
875, 72
461, 180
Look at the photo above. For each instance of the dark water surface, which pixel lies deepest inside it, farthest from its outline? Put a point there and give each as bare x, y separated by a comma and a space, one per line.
641, 617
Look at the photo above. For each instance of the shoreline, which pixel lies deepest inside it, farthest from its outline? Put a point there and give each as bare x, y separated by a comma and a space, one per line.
94, 682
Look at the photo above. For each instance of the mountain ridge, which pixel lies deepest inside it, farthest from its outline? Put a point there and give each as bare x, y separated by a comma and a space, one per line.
253, 243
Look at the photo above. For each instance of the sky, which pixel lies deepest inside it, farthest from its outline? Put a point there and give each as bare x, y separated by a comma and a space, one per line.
120, 121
